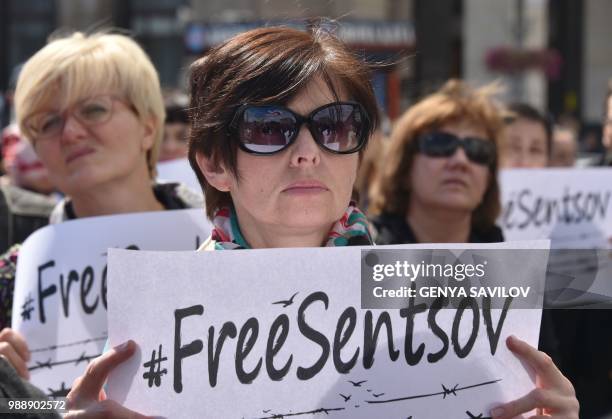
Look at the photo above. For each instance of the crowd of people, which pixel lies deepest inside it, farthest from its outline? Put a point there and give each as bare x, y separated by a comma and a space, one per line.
281, 128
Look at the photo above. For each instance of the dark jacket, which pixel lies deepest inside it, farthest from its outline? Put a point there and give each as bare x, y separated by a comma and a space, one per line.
585, 346
12, 386
21, 213
393, 229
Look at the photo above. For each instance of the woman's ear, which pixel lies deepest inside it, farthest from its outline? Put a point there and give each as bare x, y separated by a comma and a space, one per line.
150, 129
216, 174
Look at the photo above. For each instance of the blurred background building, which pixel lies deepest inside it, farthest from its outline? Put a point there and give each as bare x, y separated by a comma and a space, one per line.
554, 54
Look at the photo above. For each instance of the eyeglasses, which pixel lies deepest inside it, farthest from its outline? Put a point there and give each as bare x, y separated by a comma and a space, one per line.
89, 112
338, 127
443, 144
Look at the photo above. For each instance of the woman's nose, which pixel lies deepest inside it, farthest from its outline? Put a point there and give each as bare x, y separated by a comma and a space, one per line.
72, 129
459, 156
305, 150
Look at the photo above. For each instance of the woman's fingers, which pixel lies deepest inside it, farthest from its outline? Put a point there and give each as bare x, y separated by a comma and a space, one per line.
86, 389
15, 349
548, 373
537, 398
554, 395
17, 341
8, 352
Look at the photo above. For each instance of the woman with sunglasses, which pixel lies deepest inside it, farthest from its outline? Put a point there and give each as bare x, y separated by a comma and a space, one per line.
279, 121
93, 110
280, 118
440, 185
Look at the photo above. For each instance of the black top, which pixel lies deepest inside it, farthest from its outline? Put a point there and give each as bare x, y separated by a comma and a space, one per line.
393, 229
21, 213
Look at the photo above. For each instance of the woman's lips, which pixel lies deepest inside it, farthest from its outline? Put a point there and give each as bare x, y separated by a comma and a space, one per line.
455, 182
78, 153
306, 187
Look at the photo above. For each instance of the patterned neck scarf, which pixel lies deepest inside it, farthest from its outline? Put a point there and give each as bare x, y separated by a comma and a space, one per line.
351, 230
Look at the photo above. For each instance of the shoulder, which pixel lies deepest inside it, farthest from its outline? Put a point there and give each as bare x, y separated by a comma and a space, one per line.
12, 386
493, 234
23, 202
391, 229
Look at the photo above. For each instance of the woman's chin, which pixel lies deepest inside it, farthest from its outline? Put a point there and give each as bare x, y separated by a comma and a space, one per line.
458, 203
461, 207
317, 220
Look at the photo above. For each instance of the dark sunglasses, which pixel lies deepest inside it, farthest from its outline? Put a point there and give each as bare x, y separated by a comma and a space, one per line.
338, 127
443, 144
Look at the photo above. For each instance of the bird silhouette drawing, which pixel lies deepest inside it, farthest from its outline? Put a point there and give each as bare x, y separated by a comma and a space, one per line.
286, 303
357, 383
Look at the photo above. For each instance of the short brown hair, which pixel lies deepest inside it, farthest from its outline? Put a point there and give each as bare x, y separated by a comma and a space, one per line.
263, 66
454, 102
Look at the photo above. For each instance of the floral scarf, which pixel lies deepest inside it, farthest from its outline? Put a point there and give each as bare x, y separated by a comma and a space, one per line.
8, 268
351, 230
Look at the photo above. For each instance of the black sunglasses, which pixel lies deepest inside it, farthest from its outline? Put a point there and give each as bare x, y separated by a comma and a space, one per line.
338, 127
443, 144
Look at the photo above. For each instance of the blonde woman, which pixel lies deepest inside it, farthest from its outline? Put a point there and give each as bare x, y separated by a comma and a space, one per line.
92, 107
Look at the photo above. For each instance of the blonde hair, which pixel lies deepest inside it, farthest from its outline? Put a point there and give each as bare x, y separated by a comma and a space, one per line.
455, 101
83, 64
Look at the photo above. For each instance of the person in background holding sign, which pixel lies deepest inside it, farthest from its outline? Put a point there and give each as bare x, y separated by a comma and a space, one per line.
440, 186
92, 107
279, 121
528, 139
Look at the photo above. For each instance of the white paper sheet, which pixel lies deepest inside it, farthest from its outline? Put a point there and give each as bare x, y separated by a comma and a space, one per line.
572, 207
235, 290
178, 170
59, 302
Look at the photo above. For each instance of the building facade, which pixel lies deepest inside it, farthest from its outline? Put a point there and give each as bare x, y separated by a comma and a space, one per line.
553, 54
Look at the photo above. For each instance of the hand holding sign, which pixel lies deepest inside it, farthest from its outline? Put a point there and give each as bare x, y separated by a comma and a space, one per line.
87, 399
220, 334
15, 349
60, 292
554, 397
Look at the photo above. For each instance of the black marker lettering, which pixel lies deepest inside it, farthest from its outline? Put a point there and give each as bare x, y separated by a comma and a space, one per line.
181, 352
313, 335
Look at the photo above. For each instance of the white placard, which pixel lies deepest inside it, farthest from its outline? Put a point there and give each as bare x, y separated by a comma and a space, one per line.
178, 170
60, 294
280, 333
572, 207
